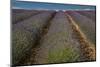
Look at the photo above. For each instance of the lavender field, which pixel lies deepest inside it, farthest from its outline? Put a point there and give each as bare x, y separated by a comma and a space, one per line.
49, 36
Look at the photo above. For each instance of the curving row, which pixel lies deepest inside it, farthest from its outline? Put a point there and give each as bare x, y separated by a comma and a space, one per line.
87, 26
17, 17
89, 14
25, 33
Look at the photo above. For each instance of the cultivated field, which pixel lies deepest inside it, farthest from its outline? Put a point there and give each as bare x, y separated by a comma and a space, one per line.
48, 36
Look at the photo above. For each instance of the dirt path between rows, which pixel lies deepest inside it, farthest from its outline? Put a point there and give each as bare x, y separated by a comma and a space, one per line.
87, 48
30, 60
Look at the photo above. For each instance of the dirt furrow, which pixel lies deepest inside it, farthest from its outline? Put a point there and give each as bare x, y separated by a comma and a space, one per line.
30, 60
87, 48
26, 35
87, 26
